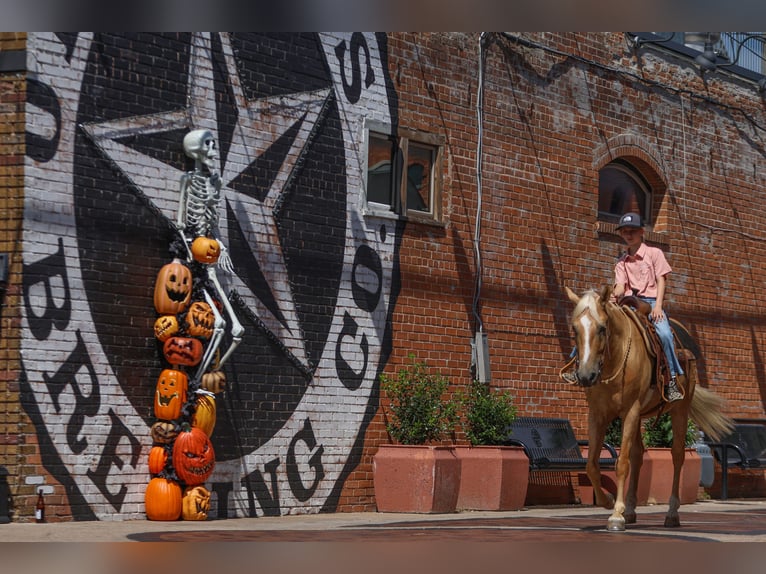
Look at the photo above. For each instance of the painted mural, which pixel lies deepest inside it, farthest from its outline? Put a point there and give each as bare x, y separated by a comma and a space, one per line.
313, 278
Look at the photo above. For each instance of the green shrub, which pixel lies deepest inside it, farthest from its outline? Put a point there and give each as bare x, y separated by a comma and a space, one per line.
488, 414
614, 433
419, 411
661, 434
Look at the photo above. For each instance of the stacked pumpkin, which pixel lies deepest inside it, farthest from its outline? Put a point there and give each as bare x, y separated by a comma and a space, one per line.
182, 458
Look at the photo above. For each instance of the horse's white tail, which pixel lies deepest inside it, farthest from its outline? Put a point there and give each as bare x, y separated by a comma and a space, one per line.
706, 412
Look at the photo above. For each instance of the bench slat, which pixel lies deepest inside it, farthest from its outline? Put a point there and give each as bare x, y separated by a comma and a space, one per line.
744, 447
550, 444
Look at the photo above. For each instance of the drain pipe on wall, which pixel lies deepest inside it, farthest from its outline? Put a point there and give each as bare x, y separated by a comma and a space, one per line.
479, 348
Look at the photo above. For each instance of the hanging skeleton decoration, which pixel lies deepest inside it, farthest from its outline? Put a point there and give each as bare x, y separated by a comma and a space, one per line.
198, 218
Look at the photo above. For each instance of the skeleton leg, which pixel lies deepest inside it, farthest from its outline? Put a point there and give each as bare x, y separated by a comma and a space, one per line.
236, 327
215, 341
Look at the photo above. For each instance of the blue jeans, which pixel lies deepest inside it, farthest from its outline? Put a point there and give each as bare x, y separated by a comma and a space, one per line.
665, 333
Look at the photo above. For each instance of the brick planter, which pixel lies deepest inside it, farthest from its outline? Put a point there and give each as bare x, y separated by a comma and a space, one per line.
656, 479
492, 477
419, 479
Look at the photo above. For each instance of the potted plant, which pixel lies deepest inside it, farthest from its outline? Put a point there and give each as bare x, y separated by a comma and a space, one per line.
656, 479
415, 474
493, 477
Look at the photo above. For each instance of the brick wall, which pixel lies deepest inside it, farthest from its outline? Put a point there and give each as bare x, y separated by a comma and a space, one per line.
553, 115
15, 427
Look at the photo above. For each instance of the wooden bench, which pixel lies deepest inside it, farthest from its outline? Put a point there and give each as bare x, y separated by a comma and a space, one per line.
551, 444
744, 447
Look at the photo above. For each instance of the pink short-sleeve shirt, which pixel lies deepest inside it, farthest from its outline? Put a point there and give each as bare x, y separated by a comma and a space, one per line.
640, 271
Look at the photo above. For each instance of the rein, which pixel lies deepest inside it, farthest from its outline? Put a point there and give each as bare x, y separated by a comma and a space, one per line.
624, 364
621, 368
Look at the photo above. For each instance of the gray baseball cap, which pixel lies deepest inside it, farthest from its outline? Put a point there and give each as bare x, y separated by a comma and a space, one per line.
630, 220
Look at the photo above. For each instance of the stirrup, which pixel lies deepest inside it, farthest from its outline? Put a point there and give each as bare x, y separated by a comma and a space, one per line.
567, 373
672, 392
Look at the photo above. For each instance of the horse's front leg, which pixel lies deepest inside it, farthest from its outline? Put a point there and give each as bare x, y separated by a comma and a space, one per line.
592, 468
636, 459
678, 450
631, 436
616, 522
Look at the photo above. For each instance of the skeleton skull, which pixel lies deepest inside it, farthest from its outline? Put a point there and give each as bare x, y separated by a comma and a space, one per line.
200, 145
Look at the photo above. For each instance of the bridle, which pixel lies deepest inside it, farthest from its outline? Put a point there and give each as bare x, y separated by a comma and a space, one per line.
623, 364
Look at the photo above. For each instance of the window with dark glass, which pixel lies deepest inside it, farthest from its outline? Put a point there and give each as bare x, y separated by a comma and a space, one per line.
403, 174
381, 151
621, 189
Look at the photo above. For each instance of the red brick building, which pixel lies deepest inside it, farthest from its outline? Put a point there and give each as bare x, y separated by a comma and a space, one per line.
519, 151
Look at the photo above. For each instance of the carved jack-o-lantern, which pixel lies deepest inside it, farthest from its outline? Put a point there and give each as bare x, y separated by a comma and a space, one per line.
170, 394
173, 288
183, 351
214, 381
193, 456
163, 432
200, 320
165, 327
205, 250
196, 503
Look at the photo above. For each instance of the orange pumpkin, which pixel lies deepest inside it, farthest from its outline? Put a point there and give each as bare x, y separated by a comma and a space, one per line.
165, 327
205, 250
163, 432
200, 320
162, 499
158, 457
170, 394
183, 351
196, 503
173, 288
204, 414
193, 456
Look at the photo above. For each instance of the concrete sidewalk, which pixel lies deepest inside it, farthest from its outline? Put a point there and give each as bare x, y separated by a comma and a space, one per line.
720, 521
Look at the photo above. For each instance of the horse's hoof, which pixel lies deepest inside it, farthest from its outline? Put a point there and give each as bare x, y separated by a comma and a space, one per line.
672, 522
615, 524
630, 517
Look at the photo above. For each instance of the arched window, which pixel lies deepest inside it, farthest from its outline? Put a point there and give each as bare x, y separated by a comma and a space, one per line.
621, 189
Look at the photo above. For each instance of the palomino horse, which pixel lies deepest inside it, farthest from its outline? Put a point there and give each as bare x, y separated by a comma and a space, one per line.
617, 371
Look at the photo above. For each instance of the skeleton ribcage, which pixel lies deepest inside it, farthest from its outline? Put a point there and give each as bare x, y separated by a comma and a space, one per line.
201, 205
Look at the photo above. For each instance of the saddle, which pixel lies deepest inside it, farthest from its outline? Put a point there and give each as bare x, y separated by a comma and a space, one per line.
638, 311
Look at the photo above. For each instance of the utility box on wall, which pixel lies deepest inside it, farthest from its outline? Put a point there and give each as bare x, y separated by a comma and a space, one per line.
480, 358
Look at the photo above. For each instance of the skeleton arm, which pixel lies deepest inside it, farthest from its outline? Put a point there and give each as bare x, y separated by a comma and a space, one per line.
181, 217
237, 330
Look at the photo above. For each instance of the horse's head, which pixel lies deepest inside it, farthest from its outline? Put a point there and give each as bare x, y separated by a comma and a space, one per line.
590, 323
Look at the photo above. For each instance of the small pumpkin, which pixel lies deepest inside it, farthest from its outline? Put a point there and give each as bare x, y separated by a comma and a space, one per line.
163, 432
165, 327
158, 458
214, 381
193, 456
173, 288
200, 320
196, 503
183, 351
162, 499
170, 394
205, 250
205, 413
